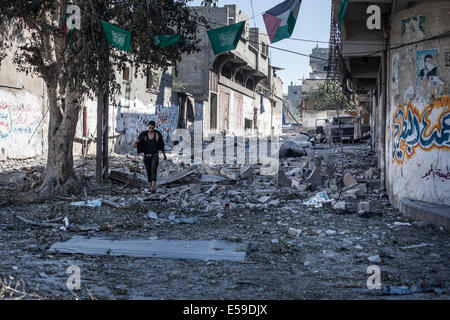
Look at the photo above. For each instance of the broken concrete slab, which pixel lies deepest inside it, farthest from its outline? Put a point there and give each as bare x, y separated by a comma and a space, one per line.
195, 188
135, 180
246, 172
264, 199
206, 178
169, 249
175, 177
211, 190
349, 180
230, 174
294, 232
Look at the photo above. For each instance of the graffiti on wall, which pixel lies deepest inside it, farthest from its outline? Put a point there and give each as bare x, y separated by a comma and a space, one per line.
426, 67
437, 173
5, 121
414, 24
166, 119
16, 119
427, 130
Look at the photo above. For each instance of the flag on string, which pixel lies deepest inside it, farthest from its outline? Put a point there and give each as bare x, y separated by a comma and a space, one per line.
341, 13
118, 37
226, 38
163, 41
280, 20
66, 30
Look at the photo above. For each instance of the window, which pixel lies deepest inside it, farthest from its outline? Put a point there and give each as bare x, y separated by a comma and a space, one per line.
152, 80
126, 74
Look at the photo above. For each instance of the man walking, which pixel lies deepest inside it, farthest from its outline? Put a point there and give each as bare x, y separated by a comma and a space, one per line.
150, 142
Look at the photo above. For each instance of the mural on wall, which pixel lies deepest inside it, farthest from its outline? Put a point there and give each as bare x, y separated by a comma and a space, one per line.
414, 24
426, 67
427, 130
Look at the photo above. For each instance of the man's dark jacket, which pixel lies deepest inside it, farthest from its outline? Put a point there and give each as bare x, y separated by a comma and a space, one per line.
144, 135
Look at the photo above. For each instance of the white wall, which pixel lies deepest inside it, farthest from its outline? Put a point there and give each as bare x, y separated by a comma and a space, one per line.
418, 112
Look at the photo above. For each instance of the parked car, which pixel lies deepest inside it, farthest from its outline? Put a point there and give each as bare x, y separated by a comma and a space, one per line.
344, 127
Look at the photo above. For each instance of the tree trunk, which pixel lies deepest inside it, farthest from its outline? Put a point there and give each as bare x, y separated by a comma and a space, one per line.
59, 175
64, 108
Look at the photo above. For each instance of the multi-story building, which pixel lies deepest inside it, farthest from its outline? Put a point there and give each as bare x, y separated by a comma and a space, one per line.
239, 89
405, 67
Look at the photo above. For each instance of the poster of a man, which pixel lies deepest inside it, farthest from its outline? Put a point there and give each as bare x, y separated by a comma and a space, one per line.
426, 65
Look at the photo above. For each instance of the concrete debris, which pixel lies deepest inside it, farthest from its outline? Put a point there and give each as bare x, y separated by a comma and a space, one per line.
213, 179
315, 178
195, 188
135, 180
264, 199
364, 206
175, 177
375, 259
246, 172
230, 174
211, 190
294, 232
340, 205
88, 203
349, 180
282, 180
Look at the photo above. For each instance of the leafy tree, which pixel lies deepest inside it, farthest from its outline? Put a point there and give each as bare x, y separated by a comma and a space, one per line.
328, 96
74, 73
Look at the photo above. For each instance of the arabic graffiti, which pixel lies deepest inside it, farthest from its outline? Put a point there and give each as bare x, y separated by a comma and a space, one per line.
427, 130
5, 120
437, 173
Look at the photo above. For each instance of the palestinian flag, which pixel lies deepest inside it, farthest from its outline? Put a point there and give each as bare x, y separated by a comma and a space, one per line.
163, 41
65, 29
280, 20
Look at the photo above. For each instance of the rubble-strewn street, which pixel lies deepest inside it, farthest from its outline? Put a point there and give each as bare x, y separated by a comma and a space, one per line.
296, 250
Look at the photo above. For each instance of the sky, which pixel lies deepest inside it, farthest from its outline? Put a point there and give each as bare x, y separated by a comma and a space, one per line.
313, 22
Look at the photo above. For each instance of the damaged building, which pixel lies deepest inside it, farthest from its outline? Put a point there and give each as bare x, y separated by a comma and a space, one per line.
239, 89
404, 70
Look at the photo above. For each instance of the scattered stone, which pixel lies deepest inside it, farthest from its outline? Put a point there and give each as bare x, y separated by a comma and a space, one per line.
340, 205
330, 232
274, 202
364, 206
195, 188
264, 199
245, 172
230, 174
375, 259
349, 180
294, 232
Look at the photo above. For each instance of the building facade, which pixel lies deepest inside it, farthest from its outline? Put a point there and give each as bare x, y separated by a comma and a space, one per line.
239, 90
405, 67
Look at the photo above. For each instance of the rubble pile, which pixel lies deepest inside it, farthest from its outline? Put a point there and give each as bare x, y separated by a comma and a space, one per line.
312, 229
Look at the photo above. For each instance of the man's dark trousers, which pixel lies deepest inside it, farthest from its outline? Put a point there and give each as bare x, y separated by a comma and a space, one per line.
151, 164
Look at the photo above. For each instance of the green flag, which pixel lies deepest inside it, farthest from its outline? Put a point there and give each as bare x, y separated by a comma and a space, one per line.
341, 13
225, 38
118, 37
163, 41
64, 28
